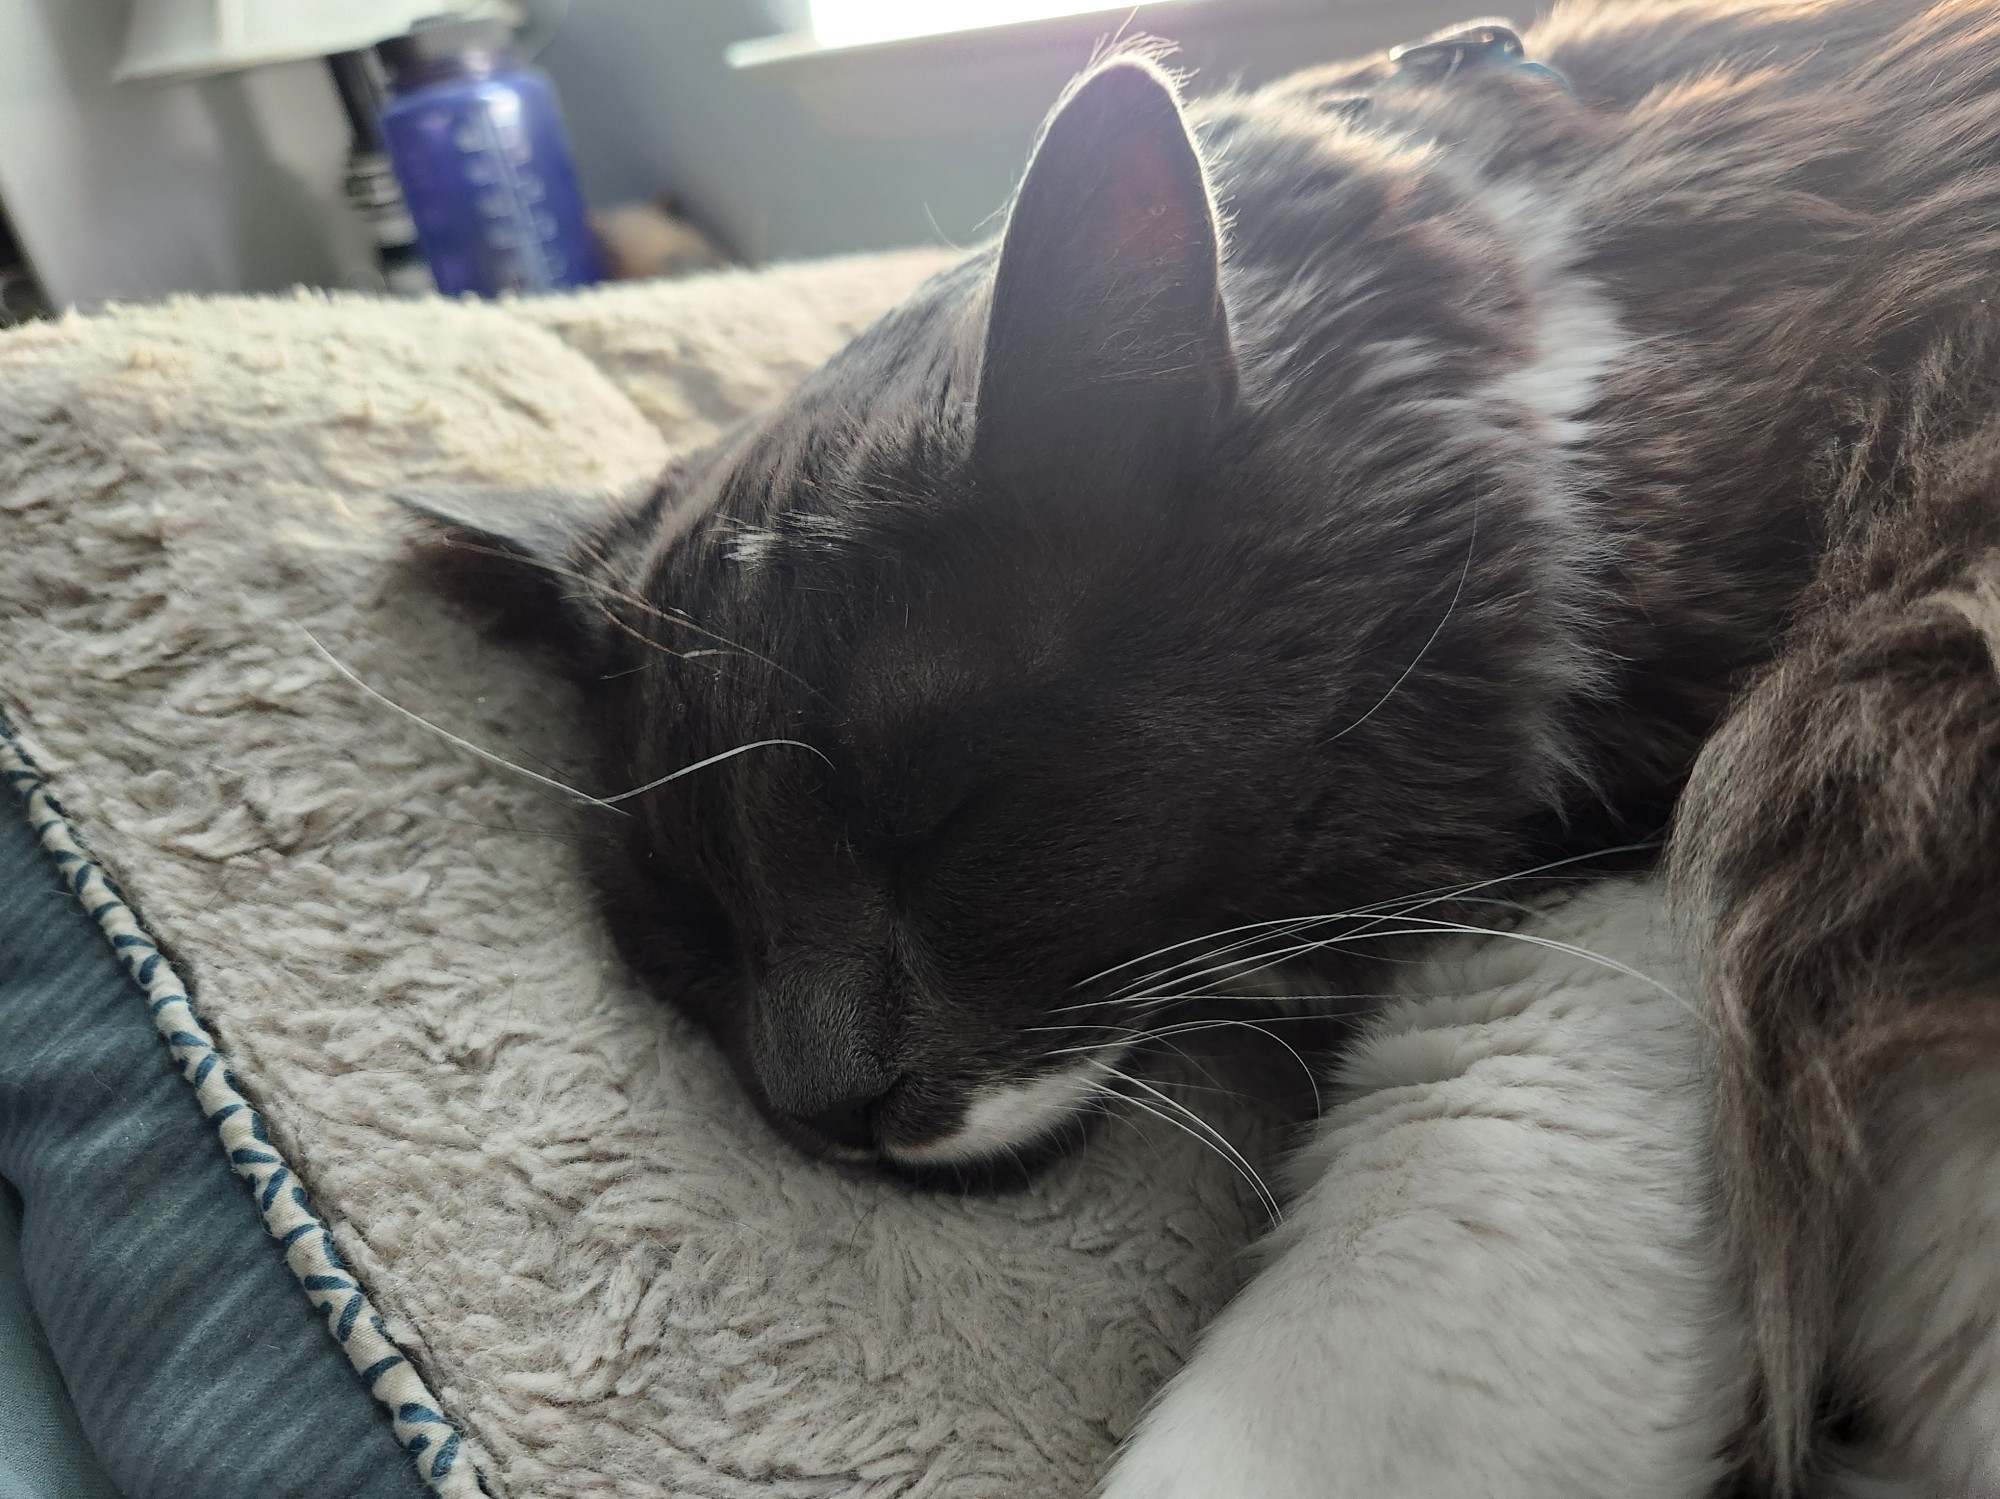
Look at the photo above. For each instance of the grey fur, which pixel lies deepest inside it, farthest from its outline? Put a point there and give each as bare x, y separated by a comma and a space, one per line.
1320, 634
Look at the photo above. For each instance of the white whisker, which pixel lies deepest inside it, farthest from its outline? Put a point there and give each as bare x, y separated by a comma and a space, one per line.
1265, 1198
1417, 900
450, 738
1220, 1141
1248, 926
608, 803
1190, 970
1251, 964
1471, 545
688, 770
1162, 999
1190, 1027
1435, 926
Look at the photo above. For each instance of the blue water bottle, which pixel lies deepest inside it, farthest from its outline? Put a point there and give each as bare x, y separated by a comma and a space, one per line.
477, 143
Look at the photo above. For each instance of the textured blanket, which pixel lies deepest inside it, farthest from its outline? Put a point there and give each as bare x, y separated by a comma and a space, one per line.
589, 1258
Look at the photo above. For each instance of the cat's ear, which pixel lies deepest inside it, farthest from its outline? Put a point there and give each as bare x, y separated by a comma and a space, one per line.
1107, 363
538, 563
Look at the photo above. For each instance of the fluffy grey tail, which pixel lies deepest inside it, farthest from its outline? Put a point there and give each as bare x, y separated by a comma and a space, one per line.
1838, 847
1785, 1182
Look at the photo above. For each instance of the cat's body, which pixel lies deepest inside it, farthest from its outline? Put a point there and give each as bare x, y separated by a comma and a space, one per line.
1416, 519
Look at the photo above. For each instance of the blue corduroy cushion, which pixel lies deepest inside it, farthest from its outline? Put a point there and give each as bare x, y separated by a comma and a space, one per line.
43, 1452
196, 1367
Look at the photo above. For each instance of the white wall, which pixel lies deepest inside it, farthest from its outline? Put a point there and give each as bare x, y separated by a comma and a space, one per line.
137, 190
652, 106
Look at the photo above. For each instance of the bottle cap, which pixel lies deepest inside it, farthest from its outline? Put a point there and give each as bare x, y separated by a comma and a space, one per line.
444, 39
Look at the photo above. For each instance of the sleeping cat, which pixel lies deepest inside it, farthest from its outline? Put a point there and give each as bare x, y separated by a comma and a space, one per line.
1324, 502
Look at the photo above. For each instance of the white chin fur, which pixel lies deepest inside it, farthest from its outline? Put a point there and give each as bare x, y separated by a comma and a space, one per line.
1011, 1116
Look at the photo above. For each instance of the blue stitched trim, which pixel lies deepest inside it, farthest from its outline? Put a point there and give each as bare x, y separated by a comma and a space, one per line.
288, 1216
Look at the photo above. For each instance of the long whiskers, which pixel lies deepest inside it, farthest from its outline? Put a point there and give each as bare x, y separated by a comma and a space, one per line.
1428, 924
1192, 1027
1172, 1111
476, 751
1198, 995
607, 803
1286, 926
601, 591
1424, 926
1139, 1002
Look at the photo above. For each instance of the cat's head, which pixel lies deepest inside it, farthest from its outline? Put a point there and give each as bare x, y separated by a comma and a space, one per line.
1011, 648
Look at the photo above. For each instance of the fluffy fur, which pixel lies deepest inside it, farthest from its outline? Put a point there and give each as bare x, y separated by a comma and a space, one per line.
1501, 1274
616, 1279
1840, 836
618, 1282
1917, 1333
1375, 482
1425, 510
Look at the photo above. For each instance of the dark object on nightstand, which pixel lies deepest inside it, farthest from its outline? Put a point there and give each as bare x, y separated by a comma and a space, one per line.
21, 297
371, 181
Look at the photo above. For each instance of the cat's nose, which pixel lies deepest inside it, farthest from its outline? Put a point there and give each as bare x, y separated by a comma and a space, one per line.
853, 1122
818, 1049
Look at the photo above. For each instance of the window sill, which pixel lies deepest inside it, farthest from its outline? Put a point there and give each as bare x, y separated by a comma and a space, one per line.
999, 79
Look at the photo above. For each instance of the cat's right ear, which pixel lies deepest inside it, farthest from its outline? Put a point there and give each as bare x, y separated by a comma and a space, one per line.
1107, 367
537, 564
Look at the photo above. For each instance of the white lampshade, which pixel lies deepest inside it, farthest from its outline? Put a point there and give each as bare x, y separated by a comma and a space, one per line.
182, 38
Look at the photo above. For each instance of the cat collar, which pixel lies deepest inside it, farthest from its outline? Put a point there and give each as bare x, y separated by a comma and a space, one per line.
1483, 44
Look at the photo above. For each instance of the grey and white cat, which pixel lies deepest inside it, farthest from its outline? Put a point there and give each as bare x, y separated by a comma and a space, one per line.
1334, 498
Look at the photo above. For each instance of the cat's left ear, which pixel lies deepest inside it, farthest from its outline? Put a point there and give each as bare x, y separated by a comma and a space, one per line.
537, 562
1107, 364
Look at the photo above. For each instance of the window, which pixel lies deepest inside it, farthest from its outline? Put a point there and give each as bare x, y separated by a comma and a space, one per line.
847, 23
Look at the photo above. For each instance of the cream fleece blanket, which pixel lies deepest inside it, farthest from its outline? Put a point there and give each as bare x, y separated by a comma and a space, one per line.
615, 1280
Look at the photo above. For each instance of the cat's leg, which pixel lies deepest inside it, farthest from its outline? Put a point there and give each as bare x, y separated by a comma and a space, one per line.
1499, 1277
1840, 841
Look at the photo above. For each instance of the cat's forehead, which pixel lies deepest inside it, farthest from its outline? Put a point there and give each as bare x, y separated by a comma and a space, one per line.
944, 665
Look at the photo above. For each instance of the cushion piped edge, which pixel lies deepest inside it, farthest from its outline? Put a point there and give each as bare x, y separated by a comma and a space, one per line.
415, 1414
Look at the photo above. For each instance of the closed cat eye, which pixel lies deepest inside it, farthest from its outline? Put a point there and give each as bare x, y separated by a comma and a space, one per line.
910, 858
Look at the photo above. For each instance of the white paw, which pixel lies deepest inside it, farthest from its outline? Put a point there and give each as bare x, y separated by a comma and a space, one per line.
1502, 1280
1217, 1435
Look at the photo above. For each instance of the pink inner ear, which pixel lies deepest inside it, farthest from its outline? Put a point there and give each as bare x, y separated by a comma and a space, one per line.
1116, 179
1107, 351
1146, 220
